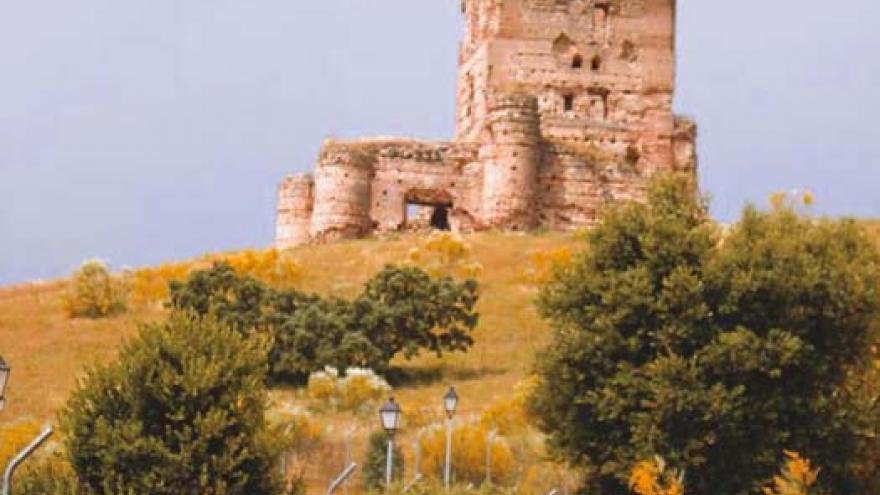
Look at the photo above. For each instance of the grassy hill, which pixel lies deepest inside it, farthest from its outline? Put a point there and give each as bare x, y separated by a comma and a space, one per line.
48, 350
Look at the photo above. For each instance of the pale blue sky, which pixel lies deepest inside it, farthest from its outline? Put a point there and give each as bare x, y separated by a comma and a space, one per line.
148, 130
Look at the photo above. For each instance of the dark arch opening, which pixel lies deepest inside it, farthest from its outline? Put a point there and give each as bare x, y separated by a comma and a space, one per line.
440, 218
596, 63
577, 62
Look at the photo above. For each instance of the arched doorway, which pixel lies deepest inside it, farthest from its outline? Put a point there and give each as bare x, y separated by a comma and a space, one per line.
427, 208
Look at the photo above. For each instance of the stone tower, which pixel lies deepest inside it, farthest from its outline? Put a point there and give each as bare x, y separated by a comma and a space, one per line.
510, 154
603, 71
563, 107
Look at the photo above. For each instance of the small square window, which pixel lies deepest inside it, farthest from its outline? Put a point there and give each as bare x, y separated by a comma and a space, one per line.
568, 102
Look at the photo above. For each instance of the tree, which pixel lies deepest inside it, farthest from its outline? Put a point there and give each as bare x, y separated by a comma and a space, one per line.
401, 309
181, 411
715, 351
408, 311
240, 302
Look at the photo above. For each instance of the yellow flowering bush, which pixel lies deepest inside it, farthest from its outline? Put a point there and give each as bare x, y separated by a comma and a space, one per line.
322, 385
445, 254
94, 292
469, 454
276, 268
797, 477
358, 391
655, 478
543, 264
362, 388
509, 416
14, 437
150, 284
792, 199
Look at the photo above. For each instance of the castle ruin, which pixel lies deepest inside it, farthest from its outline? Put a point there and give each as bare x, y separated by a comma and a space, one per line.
563, 107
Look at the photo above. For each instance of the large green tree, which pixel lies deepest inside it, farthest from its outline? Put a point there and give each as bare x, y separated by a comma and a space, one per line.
401, 310
715, 348
180, 411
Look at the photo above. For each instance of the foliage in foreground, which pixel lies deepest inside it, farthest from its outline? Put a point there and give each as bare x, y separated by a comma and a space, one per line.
51, 476
400, 310
715, 351
94, 292
797, 478
181, 411
655, 478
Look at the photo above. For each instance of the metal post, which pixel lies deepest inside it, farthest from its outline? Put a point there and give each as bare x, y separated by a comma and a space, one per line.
348, 459
18, 459
389, 457
489, 441
341, 478
447, 472
412, 483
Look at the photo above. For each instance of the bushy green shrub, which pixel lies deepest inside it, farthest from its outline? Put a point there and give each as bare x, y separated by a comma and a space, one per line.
377, 460
402, 310
180, 411
715, 351
94, 292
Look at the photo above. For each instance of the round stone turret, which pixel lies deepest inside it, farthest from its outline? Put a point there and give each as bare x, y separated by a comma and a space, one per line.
342, 191
510, 153
295, 202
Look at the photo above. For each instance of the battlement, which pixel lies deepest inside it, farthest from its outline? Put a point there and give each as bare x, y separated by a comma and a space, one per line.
368, 152
517, 102
562, 108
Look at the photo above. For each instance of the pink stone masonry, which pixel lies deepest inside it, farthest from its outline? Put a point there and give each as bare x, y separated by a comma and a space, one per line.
563, 107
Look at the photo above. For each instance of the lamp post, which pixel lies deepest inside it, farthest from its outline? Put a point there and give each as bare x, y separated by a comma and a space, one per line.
4, 377
390, 418
450, 403
490, 439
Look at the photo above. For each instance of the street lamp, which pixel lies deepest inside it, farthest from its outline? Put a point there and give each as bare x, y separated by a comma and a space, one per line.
450, 403
390, 418
4, 377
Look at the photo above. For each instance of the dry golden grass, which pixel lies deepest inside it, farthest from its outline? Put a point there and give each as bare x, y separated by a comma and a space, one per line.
48, 350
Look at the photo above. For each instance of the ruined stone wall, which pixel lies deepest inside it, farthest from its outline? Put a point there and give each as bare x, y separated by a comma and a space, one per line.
364, 186
427, 174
